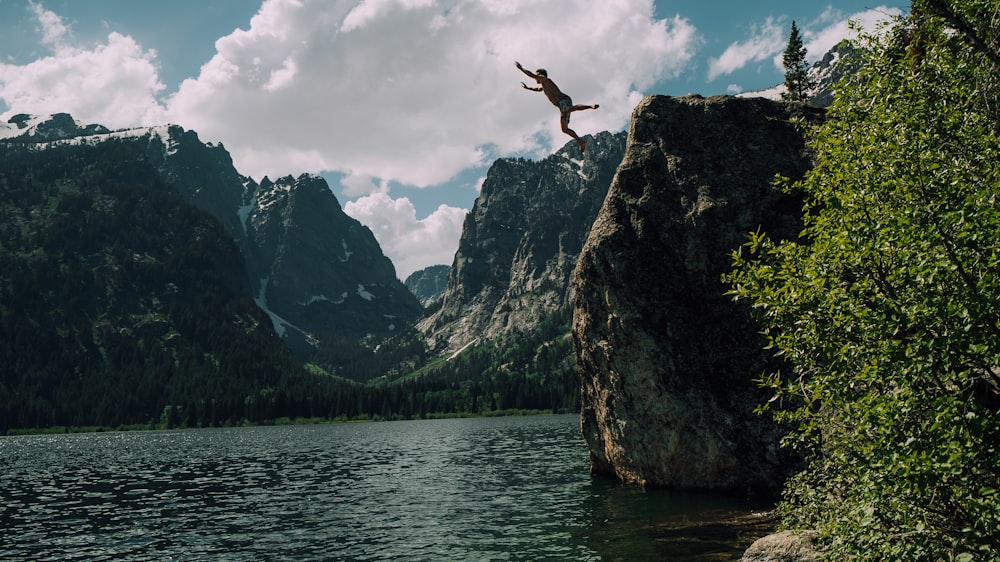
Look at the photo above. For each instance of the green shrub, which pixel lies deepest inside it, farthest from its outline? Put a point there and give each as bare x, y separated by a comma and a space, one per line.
888, 307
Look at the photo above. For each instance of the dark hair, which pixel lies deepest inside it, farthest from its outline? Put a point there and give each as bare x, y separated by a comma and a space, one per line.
542, 72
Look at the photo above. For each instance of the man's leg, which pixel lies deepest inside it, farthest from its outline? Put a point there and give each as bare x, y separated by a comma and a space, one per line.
564, 121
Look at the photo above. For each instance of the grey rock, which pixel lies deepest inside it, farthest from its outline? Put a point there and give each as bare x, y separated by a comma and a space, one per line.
428, 284
666, 360
786, 546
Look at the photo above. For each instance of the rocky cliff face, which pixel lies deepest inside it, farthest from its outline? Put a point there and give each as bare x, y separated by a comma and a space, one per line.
201, 173
666, 360
520, 243
319, 273
428, 284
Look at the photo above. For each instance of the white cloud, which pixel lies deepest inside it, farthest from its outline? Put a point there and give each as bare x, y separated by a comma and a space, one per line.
412, 91
379, 91
415, 91
832, 27
52, 27
115, 84
411, 244
368, 10
360, 184
766, 39
382, 91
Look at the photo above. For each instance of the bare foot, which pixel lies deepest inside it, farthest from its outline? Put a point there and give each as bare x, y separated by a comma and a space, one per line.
595, 106
583, 144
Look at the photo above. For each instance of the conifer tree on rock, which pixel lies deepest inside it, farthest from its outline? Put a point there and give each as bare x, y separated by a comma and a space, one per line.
797, 81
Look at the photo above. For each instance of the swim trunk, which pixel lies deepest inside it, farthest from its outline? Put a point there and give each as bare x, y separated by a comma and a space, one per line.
565, 104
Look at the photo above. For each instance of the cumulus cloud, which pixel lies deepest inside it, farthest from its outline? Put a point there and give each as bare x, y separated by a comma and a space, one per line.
768, 40
764, 41
51, 25
832, 27
391, 92
401, 92
115, 83
411, 91
410, 243
414, 91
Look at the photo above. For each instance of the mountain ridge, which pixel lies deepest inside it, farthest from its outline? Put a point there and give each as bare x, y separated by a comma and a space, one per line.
314, 298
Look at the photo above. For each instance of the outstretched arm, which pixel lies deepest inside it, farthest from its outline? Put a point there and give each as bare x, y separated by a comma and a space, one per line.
530, 75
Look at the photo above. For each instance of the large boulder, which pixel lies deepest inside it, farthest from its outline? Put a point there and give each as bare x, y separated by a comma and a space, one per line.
666, 359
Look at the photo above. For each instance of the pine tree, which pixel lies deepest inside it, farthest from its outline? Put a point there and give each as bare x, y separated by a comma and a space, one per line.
797, 82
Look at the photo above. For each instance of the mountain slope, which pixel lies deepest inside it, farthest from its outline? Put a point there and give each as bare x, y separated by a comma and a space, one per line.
520, 243
319, 274
840, 61
118, 298
428, 284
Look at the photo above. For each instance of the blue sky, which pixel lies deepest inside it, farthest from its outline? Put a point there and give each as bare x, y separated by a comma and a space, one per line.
401, 104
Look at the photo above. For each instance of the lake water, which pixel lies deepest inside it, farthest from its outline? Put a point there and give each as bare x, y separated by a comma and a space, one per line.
464, 489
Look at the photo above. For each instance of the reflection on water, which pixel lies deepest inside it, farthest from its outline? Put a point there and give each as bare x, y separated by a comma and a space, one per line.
630, 523
473, 489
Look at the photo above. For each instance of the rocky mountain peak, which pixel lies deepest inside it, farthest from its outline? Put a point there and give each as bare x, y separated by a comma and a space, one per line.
520, 243
428, 284
839, 61
318, 272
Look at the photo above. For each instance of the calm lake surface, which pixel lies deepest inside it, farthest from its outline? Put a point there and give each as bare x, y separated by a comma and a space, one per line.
465, 489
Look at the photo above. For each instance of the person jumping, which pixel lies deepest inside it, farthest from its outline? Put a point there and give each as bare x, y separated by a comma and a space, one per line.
558, 99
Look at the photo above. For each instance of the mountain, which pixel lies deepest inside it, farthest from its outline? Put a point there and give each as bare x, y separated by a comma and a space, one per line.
318, 274
122, 303
519, 245
23, 128
666, 360
824, 74
428, 284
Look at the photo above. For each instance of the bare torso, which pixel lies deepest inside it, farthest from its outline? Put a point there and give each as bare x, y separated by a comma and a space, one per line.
550, 89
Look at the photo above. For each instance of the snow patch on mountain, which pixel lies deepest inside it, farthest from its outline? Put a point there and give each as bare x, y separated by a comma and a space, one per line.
347, 252
281, 325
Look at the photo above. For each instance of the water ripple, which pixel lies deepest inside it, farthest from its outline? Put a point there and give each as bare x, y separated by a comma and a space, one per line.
484, 489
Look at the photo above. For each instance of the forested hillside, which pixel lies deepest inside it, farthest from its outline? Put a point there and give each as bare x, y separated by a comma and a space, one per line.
118, 299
